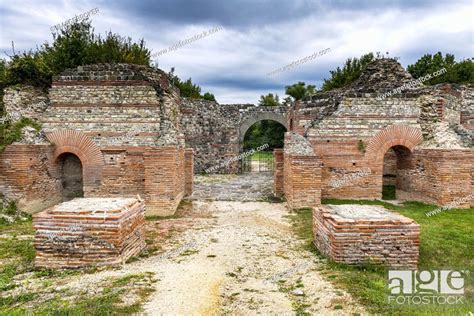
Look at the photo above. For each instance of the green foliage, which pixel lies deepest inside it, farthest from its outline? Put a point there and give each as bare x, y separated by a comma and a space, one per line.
11, 132
188, 89
456, 72
30, 69
75, 44
3, 83
265, 132
300, 90
351, 70
209, 96
269, 100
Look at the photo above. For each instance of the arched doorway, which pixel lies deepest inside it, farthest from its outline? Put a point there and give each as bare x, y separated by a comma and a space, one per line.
396, 164
258, 143
71, 174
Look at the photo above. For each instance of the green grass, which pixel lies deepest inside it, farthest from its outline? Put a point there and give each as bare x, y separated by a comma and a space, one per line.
107, 302
447, 242
261, 155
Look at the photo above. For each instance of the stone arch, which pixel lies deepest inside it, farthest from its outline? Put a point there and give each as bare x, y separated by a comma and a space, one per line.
254, 118
79, 144
394, 135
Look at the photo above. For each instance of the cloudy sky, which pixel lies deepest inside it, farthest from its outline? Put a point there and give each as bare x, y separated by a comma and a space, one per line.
257, 36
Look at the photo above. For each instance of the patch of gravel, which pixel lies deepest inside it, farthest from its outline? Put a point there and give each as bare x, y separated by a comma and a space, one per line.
244, 261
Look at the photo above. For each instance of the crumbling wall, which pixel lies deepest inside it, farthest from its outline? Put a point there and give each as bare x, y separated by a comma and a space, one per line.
215, 131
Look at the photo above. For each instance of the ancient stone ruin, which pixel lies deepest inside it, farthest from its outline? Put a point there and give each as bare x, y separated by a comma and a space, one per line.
118, 130
357, 234
89, 232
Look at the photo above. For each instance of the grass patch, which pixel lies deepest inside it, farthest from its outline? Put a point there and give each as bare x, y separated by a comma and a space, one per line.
261, 155
110, 301
447, 240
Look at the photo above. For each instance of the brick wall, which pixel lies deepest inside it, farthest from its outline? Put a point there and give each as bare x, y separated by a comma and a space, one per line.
28, 176
215, 131
164, 180
189, 171
302, 181
437, 176
278, 155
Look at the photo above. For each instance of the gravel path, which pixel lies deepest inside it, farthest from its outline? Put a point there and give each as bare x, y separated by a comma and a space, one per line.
244, 260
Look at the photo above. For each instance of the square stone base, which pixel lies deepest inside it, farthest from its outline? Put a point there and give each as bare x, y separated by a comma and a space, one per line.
88, 232
357, 234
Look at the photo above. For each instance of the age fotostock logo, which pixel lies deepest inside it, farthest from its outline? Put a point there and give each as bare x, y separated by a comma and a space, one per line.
426, 287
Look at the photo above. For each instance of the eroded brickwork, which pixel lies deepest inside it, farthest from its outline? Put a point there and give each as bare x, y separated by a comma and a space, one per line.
110, 116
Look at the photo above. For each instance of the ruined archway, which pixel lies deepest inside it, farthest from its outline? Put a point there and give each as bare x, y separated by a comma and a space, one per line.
72, 184
90, 155
403, 139
260, 116
258, 144
398, 161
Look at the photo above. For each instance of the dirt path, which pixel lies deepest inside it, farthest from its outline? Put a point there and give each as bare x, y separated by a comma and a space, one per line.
244, 260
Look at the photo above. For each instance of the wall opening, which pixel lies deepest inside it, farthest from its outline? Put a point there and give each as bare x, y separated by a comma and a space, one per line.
71, 176
262, 138
396, 165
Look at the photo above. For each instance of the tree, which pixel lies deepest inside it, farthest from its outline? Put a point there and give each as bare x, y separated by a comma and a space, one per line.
269, 100
209, 96
350, 72
300, 90
187, 88
74, 45
456, 72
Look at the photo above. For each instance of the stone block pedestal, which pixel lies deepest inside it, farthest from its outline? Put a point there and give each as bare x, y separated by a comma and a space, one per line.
88, 232
356, 234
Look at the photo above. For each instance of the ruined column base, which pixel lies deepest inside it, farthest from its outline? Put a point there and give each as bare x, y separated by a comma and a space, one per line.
87, 232
357, 234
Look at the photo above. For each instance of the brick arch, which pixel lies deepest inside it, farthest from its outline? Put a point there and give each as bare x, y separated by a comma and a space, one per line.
390, 136
79, 144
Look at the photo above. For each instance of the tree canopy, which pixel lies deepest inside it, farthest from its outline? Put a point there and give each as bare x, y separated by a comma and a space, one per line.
188, 89
456, 72
351, 70
269, 100
300, 90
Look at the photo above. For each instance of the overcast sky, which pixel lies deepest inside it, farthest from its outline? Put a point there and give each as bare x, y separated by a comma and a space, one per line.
258, 36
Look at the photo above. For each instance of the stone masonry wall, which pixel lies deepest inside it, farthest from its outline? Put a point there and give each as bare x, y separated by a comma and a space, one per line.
215, 131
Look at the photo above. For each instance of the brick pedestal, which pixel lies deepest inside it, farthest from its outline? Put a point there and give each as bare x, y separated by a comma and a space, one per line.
356, 234
89, 232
